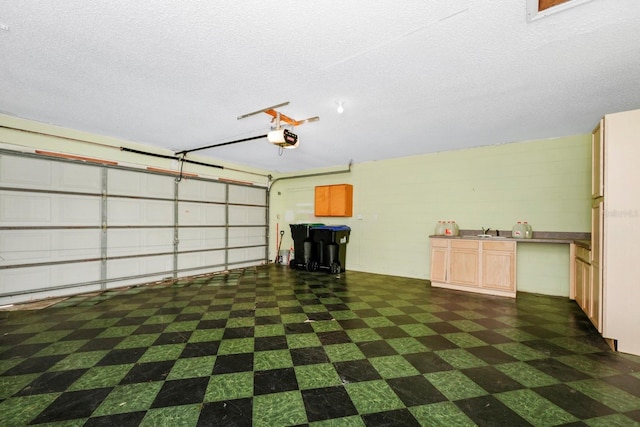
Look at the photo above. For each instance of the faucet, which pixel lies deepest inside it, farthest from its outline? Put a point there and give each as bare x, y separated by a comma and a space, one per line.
484, 232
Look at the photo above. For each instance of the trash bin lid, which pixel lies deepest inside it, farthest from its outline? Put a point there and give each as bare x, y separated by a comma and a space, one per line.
333, 227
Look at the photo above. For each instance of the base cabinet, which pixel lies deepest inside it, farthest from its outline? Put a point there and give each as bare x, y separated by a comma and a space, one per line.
487, 267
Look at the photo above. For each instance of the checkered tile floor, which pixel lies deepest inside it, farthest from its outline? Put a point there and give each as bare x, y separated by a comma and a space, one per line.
277, 347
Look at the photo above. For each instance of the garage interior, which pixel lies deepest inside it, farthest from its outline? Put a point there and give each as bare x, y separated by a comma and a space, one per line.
142, 201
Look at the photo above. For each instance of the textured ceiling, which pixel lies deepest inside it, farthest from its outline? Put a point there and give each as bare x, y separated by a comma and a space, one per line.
415, 77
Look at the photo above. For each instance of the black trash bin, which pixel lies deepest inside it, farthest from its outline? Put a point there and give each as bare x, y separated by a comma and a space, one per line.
331, 243
305, 250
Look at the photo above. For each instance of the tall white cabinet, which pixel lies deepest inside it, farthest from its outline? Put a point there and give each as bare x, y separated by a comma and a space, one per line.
615, 234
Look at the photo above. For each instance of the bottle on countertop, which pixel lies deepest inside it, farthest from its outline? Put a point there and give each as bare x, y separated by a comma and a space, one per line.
451, 228
528, 230
439, 231
518, 230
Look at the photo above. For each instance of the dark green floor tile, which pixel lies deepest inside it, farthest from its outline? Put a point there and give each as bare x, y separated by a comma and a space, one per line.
20, 411
605, 393
80, 360
279, 409
343, 352
302, 340
393, 367
616, 420
535, 409
134, 341
162, 352
101, 377
317, 376
373, 396
363, 335
516, 334
192, 367
378, 322
229, 386
325, 326
467, 325
463, 339
442, 414
206, 335
426, 318
118, 331
13, 384
417, 330
407, 345
273, 359
353, 421
62, 347
589, 366
460, 358
129, 398
184, 415
520, 351
47, 337
236, 346
526, 375
455, 385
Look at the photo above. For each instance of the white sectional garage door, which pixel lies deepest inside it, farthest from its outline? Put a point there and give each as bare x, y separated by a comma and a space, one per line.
68, 227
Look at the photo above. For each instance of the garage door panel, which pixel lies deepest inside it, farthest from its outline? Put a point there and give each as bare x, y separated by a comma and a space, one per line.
81, 178
200, 214
239, 255
41, 174
124, 268
34, 209
241, 236
132, 183
36, 246
135, 281
247, 215
247, 195
191, 189
23, 279
201, 238
139, 212
128, 241
200, 259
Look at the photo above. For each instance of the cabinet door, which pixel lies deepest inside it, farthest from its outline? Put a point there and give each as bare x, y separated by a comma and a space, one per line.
341, 200
439, 264
580, 289
322, 201
464, 266
595, 313
498, 270
597, 161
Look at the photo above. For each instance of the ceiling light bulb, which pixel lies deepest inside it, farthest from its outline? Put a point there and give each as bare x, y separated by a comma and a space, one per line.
340, 109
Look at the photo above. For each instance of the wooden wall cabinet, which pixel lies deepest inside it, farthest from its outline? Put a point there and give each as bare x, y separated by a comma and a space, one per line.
487, 267
334, 200
614, 294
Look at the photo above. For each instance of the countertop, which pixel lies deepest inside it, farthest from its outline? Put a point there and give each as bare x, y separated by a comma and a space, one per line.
564, 237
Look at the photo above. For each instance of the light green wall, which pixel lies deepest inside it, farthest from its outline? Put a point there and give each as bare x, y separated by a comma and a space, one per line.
397, 203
